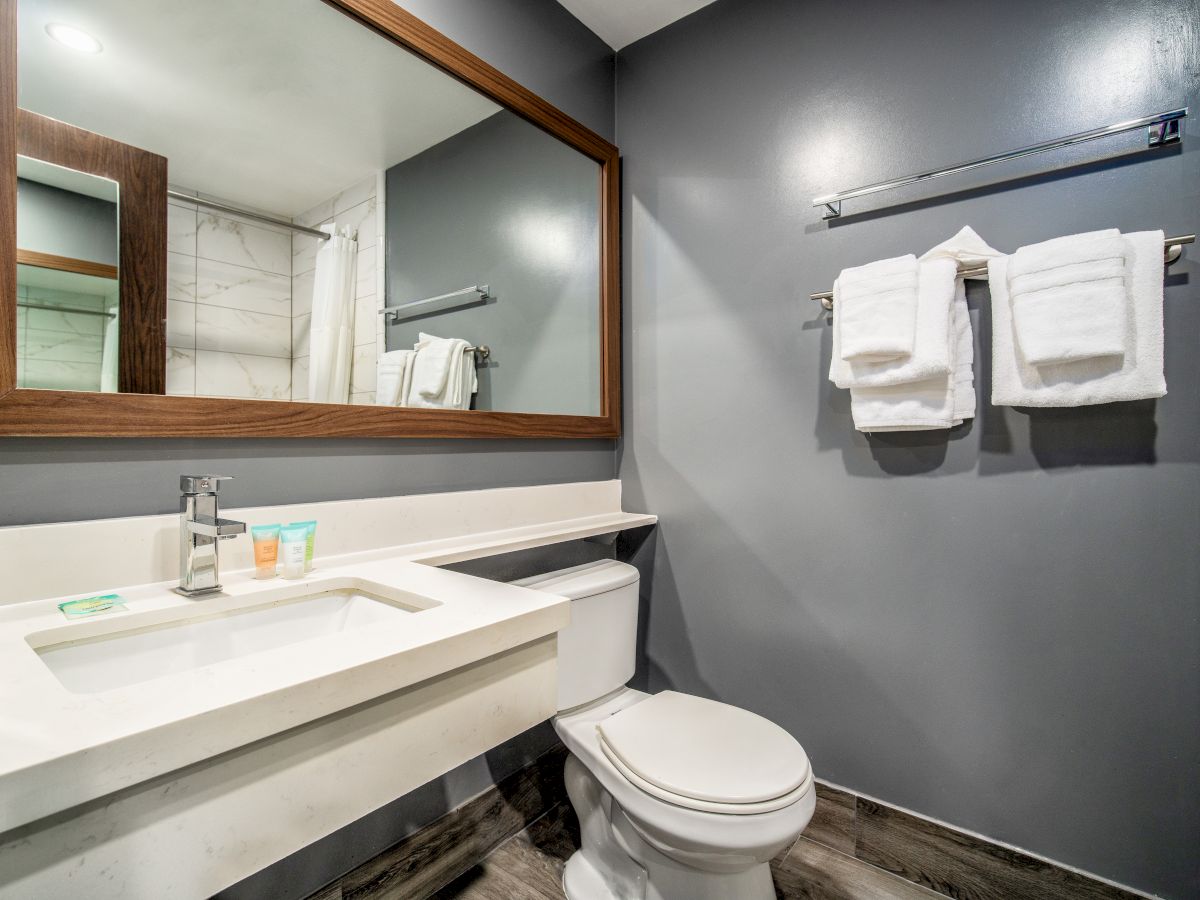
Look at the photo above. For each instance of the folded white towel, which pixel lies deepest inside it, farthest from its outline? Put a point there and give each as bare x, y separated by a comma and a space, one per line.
1069, 297
394, 376
877, 305
439, 380
1135, 375
931, 354
940, 402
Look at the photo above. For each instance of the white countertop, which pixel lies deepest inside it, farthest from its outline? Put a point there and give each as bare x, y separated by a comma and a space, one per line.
59, 749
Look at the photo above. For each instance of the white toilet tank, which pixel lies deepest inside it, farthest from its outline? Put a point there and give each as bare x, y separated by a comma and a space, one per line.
596, 651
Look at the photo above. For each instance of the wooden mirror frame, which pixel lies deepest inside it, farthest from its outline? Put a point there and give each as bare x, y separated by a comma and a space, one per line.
43, 413
141, 272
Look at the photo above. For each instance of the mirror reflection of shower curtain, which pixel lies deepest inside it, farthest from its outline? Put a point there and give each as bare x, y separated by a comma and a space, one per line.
331, 335
108, 352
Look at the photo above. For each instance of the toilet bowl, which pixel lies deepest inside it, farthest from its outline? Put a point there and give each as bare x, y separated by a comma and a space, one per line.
678, 797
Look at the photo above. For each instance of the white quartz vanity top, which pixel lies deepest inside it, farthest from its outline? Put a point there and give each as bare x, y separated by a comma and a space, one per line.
59, 748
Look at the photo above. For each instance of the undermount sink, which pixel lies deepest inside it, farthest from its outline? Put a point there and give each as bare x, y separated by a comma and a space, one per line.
138, 653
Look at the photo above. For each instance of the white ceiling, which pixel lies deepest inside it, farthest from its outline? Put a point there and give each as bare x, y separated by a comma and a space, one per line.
273, 104
621, 22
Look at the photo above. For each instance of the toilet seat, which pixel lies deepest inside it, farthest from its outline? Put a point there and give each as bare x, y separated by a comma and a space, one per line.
703, 755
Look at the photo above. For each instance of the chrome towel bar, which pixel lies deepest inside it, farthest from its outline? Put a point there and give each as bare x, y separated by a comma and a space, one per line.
1162, 129
1172, 250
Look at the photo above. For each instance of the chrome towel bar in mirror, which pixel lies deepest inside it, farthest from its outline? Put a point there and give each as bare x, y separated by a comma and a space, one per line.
440, 303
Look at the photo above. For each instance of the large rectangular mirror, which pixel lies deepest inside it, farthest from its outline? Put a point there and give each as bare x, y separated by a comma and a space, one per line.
347, 223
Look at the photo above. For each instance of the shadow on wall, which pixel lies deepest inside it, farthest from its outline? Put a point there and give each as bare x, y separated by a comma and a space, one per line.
747, 603
1110, 434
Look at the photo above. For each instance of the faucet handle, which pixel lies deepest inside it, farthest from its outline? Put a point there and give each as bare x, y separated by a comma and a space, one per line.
201, 484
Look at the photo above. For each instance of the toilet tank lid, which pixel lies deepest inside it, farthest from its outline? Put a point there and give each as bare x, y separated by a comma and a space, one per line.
587, 580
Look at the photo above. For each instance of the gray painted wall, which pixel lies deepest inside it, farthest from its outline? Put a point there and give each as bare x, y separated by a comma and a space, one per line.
507, 205
52, 220
998, 626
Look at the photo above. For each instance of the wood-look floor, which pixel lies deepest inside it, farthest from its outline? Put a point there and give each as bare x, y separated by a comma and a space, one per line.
512, 842
529, 866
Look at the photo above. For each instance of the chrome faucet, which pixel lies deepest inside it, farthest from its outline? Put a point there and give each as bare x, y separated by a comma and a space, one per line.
200, 528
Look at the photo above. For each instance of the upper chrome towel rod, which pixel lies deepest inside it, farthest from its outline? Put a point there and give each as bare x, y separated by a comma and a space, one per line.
246, 214
1172, 250
1162, 129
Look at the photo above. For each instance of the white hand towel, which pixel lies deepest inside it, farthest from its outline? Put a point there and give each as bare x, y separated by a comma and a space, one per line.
968, 250
931, 355
394, 376
437, 378
877, 305
1069, 297
1136, 375
470, 381
943, 401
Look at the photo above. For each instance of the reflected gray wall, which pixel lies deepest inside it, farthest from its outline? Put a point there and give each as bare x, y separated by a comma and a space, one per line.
507, 205
537, 43
51, 220
997, 626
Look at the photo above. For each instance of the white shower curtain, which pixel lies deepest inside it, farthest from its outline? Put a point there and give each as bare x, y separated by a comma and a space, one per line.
331, 335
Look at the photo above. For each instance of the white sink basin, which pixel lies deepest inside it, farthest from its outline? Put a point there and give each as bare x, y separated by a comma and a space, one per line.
140, 652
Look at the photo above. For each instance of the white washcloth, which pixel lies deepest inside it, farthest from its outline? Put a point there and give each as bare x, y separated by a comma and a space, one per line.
877, 306
438, 379
1069, 296
1137, 375
931, 355
394, 376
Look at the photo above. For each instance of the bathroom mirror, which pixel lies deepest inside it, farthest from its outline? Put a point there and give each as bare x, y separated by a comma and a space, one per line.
364, 225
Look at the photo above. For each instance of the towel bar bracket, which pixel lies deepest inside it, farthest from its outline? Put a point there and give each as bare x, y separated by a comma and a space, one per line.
1160, 134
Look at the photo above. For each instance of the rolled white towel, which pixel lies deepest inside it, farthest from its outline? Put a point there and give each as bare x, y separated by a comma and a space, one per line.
877, 306
1069, 298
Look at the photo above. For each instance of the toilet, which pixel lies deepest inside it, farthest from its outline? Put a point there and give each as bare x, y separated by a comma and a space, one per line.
678, 797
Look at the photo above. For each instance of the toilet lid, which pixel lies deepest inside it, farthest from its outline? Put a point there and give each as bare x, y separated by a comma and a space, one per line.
686, 748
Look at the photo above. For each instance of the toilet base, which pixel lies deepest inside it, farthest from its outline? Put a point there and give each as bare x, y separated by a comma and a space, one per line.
616, 863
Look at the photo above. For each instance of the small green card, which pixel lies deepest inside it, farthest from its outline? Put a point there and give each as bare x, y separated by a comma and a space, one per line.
89, 606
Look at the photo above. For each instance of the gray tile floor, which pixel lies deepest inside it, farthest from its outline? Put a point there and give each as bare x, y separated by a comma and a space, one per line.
529, 866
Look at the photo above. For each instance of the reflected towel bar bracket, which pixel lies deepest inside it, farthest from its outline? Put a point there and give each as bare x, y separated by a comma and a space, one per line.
1172, 251
1162, 130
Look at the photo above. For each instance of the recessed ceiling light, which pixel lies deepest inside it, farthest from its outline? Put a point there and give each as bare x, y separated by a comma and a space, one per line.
75, 38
